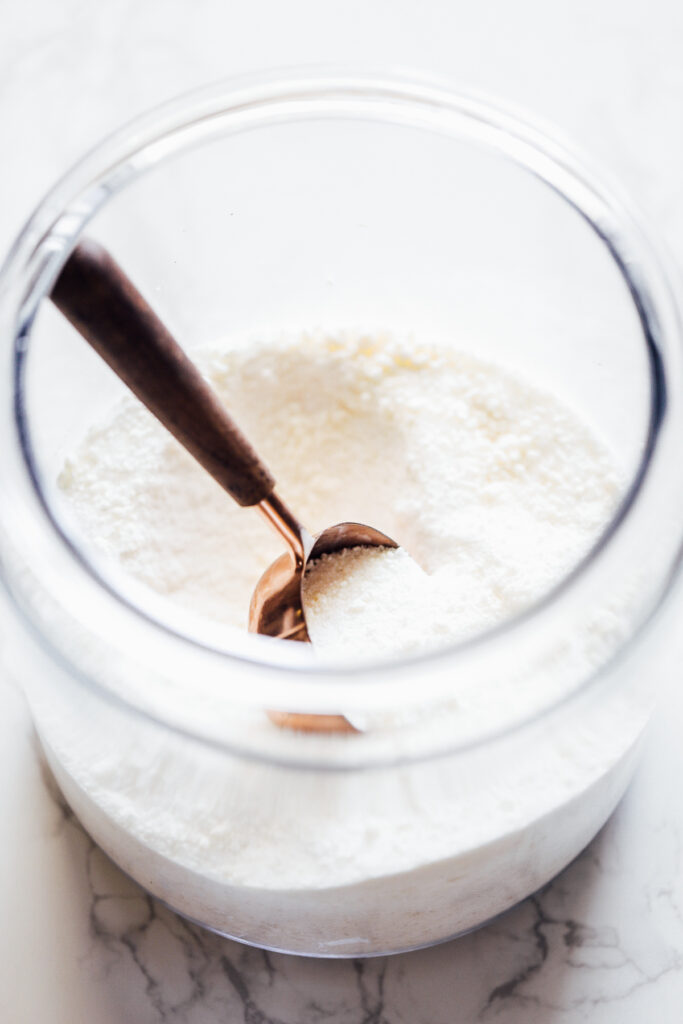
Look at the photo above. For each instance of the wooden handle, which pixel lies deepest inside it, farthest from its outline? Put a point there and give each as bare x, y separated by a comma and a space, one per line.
96, 296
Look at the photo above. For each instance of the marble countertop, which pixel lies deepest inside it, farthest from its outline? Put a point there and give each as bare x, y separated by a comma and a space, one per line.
604, 941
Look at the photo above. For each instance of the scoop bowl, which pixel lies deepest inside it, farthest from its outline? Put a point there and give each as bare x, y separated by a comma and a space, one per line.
277, 607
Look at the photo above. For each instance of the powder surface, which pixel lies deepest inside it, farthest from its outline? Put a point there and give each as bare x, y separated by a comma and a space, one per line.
493, 488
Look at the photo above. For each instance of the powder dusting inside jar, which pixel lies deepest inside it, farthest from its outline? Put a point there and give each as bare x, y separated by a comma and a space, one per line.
495, 490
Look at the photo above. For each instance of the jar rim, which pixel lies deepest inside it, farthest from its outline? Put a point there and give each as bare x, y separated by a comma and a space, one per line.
44, 244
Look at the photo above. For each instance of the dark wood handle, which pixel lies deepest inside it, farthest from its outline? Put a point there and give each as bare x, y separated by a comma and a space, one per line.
96, 296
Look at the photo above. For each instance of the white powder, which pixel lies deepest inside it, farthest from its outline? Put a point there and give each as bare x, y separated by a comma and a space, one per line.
378, 601
495, 490
373, 601
481, 479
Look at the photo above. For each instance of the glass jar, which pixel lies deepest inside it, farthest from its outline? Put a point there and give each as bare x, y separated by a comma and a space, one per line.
344, 200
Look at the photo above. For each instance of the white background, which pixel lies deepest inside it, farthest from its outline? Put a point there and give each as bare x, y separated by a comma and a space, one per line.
605, 942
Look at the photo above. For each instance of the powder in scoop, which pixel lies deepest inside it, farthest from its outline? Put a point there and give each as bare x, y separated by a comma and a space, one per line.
372, 601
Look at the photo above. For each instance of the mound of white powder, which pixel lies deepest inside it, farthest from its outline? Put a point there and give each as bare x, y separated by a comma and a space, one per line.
493, 490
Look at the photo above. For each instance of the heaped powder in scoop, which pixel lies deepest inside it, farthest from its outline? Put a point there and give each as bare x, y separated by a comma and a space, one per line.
375, 601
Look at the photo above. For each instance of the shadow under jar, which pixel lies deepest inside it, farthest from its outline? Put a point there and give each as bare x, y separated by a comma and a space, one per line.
344, 201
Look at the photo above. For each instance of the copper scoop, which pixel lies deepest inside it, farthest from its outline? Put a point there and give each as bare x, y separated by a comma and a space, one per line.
105, 307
